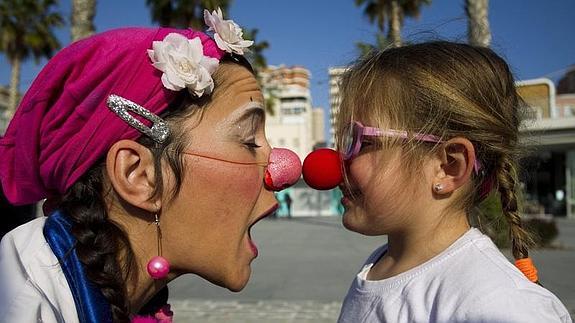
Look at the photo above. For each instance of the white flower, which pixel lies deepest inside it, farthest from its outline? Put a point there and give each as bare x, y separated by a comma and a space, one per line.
227, 34
184, 64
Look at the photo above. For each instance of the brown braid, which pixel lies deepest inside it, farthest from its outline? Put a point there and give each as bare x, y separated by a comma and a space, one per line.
521, 240
98, 241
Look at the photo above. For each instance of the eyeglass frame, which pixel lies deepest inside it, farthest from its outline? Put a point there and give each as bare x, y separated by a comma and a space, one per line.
358, 131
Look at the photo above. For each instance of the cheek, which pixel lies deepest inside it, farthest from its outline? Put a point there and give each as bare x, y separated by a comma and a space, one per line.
230, 187
360, 173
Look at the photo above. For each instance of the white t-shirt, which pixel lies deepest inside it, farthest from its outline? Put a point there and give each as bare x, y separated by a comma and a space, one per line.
471, 281
33, 287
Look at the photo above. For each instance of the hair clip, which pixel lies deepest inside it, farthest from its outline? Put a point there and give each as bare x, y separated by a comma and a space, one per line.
120, 106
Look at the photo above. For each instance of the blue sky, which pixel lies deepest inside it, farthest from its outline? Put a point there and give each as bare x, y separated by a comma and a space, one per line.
536, 37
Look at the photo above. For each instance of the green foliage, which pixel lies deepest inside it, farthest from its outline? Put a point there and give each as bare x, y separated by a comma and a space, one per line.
544, 230
378, 11
255, 54
26, 28
493, 223
381, 42
183, 13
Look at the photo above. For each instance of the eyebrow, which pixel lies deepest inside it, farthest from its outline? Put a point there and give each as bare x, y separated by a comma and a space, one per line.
250, 113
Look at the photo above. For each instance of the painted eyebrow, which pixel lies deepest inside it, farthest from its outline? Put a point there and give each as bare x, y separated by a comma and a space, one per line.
253, 113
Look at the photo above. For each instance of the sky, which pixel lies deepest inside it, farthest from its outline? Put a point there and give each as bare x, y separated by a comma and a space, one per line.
536, 37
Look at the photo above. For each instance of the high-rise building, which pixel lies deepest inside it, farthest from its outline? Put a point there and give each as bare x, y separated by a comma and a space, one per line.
292, 124
335, 74
318, 127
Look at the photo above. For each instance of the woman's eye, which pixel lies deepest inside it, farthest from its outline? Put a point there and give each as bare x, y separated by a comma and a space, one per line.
251, 145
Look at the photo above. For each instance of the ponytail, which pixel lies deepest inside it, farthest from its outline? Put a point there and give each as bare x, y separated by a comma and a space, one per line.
521, 239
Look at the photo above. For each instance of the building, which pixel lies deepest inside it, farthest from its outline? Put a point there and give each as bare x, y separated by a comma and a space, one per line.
335, 74
549, 170
294, 124
318, 128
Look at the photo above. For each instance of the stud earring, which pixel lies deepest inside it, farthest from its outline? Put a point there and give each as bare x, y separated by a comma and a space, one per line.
437, 187
158, 267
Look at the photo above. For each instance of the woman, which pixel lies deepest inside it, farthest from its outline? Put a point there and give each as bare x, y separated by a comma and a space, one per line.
149, 146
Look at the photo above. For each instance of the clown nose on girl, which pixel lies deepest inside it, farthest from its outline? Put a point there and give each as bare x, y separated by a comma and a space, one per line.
322, 169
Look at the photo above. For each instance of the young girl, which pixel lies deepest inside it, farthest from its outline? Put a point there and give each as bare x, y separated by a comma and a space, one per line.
149, 145
427, 131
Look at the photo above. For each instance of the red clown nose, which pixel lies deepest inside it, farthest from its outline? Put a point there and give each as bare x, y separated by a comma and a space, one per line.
322, 169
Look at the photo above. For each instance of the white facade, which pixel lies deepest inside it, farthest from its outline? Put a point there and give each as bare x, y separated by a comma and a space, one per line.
292, 126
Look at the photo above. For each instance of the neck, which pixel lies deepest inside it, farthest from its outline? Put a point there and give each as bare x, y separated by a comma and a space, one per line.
140, 287
416, 244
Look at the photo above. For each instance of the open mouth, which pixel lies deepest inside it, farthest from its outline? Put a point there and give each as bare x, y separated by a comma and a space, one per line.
269, 212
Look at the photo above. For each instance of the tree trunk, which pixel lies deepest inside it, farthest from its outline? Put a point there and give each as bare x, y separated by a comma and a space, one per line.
394, 32
13, 95
83, 12
478, 23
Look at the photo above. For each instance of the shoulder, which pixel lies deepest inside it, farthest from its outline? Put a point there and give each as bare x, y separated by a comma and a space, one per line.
491, 288
24, 242
33, 284
518, 304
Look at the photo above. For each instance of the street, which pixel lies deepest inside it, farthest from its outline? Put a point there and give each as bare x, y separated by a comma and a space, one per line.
306, 265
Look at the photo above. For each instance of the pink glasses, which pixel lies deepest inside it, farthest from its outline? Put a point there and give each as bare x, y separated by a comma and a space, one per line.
353, 139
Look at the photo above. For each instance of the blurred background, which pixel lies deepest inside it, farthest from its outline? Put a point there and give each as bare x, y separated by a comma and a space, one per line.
301, 49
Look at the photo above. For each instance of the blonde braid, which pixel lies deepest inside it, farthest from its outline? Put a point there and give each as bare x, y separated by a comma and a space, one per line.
521, 239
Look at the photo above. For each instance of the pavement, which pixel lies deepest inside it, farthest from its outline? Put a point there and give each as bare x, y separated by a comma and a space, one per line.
306, 265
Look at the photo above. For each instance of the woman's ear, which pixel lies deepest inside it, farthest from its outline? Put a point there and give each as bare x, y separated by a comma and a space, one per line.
457, 158
130, 167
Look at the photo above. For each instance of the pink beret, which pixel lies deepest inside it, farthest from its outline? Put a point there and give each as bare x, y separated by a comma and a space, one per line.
63, 125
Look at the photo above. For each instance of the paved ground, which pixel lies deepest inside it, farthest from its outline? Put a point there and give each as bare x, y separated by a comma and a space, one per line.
306, 265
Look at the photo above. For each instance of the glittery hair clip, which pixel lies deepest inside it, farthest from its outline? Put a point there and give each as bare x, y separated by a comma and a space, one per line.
159, 130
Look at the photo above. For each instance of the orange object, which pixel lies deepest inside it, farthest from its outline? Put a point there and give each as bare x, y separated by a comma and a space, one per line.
527, 268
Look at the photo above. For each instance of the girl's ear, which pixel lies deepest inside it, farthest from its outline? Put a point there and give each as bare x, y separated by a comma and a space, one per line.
130, 167
457, 158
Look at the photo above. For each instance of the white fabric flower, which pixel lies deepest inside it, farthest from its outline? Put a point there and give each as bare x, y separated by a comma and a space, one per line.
184, 64
227, 34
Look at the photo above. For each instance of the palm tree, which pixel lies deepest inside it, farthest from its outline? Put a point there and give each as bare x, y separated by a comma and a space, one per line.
190, 13
82, 18
478, 31
255, 54
183, 13
381, 42
392, 12
26, 28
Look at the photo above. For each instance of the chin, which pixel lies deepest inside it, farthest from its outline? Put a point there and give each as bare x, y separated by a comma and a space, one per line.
349, 221
353, 223
238, 281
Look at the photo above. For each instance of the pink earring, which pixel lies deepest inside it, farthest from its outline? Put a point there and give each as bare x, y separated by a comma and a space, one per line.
437, 187
158, 267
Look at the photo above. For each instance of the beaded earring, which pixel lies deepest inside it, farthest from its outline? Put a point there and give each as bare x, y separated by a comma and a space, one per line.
158, 267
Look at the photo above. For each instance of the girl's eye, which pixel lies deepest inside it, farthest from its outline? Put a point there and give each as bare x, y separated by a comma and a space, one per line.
366, 144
